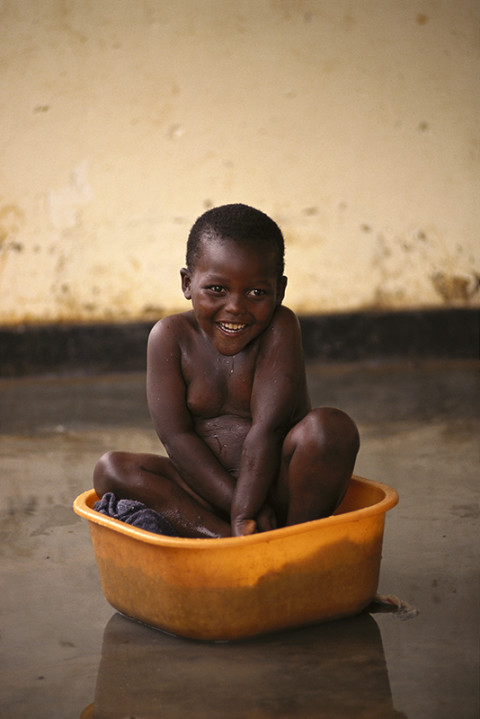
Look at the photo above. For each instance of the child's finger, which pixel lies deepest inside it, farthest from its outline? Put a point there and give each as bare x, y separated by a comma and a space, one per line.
243, 527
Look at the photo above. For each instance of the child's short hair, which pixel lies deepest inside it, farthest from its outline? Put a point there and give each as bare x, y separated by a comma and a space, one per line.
240, 223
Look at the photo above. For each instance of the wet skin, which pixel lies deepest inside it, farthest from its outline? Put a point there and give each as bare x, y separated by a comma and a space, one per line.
227, 394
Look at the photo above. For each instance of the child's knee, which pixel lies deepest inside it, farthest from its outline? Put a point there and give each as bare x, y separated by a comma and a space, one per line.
332, 430
104, 471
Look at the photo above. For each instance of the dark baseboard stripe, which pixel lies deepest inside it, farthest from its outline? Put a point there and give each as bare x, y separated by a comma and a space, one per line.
352, 337
357, 337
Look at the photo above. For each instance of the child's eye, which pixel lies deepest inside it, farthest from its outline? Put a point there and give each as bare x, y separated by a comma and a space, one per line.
216, 288
257, 292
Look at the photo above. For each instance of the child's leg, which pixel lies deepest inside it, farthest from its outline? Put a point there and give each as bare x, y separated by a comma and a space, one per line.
317, 462
153, 480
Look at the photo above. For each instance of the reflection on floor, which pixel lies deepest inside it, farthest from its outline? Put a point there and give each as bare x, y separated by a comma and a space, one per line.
292, 674
420, 431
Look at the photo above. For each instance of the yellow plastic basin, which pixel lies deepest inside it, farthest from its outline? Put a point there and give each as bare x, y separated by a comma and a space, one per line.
221, 589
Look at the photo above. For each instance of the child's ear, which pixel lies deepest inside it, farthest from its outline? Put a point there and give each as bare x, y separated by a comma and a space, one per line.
186, 281
281, 287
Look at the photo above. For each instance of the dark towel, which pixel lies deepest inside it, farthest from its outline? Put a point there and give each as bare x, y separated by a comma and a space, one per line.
135, 513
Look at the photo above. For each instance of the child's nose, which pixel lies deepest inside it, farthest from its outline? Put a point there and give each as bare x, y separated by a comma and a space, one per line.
235, 304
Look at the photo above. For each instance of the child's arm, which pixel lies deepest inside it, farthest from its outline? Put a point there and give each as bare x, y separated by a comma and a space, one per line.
166, 395
279, 394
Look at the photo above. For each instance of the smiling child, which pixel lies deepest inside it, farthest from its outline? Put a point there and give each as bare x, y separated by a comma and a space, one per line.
227, 393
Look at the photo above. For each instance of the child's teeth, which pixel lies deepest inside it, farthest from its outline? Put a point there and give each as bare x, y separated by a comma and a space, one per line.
231, 326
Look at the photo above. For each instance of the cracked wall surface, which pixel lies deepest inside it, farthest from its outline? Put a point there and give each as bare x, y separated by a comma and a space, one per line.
355, 125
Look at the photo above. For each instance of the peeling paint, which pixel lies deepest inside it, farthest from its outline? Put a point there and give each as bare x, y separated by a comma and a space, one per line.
64, 204
455, 289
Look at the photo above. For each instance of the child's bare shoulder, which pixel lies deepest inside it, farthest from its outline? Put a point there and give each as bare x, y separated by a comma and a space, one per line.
282, 340
170, 331
285, 325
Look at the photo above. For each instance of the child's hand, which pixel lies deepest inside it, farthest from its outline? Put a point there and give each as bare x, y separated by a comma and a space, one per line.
243, 527
265, 521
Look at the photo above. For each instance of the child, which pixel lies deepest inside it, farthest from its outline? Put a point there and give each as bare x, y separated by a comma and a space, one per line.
227, 394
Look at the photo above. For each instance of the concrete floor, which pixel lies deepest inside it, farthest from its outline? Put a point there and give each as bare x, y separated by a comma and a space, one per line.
66, 653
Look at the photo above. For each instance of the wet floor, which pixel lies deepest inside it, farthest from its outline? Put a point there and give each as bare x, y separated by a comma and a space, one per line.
66, 653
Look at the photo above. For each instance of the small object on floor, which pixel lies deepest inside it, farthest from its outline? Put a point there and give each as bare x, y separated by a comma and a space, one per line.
391, 603
134, 513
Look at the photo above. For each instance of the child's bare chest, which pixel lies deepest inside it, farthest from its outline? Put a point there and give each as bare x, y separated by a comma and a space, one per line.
220, 385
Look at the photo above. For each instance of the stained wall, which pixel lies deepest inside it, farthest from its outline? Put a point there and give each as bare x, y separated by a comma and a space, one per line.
355, 125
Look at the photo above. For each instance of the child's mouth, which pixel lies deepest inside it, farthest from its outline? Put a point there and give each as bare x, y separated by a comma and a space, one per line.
231, 327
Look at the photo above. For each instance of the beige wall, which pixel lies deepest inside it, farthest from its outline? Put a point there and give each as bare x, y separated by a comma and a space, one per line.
355, 124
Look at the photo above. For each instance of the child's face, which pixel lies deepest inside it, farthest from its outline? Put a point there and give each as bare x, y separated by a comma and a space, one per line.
234, 291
